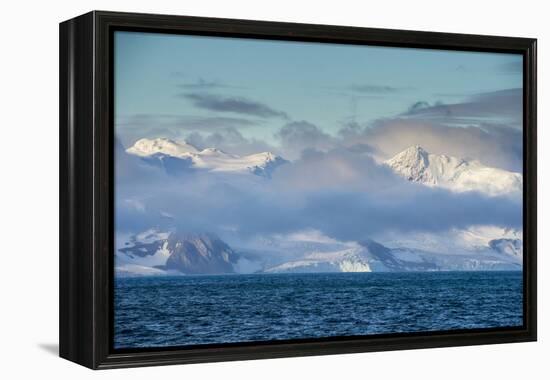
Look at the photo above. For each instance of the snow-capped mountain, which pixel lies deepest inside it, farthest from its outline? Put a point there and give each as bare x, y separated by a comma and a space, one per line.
456, 174
174, 156
474, 240
149, 147
370, 256
346, 260
154, 252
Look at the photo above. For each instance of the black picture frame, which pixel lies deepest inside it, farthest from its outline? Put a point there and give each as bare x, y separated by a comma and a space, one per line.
86, 187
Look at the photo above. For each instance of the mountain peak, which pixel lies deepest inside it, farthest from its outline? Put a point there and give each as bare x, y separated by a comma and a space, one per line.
438, 170
148, 147
418, 149
415, 150
264, 156
189, 253
414, 159
212, 151
175, 156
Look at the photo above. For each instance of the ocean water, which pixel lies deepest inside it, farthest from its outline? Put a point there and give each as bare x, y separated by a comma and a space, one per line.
193, 310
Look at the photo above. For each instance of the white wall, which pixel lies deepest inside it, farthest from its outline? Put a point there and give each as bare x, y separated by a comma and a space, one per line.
29, 206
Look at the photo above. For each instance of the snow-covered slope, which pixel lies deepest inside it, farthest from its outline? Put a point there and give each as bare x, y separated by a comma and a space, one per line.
417, 165
180, 155
475, 240
156, 253
347, 260
149, 147
370, 256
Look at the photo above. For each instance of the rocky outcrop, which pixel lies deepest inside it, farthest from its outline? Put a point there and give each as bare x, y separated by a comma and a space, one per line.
182, 252
199, 254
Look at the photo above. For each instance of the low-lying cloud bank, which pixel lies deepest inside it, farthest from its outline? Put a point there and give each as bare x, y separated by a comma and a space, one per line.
344, 194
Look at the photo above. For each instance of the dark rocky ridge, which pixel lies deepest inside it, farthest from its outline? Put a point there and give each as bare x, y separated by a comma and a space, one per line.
200, 254
189, 253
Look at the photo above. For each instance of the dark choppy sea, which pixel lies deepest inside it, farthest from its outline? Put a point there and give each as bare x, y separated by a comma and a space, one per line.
190, 310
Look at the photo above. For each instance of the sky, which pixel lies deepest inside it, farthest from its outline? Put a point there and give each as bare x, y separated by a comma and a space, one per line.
174, 85
334, 112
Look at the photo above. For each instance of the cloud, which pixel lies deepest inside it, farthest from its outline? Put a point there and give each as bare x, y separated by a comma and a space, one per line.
233, 104
503, 106
202, 84
138, 126
485, 127
341, 168
344, 195
334, 185
494, 145
130, 171
297, 136
350, 215
419, 106
229, 140
212, 123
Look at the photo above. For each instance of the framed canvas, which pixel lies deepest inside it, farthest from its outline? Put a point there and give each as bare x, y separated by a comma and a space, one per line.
237, 189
